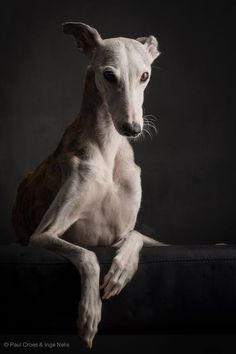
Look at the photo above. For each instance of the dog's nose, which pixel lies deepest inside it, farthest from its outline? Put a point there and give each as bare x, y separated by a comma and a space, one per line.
131, 129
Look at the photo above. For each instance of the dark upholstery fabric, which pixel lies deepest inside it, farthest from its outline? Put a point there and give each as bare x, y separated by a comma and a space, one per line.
187, 289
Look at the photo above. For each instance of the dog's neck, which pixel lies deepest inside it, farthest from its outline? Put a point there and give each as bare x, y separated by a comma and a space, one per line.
95, 120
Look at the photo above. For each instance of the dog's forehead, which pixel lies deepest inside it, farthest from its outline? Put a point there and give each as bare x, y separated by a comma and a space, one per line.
122, 52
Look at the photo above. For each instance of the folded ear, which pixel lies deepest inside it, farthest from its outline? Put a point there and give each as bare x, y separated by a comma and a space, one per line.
152, 46
87, 38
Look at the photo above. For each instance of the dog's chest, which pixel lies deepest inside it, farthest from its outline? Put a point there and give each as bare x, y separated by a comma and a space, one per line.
111, 204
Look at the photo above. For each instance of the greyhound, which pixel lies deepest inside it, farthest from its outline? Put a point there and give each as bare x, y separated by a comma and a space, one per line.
88, 191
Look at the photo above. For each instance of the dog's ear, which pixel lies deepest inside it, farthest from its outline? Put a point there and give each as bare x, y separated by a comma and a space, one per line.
151, 44
87, 38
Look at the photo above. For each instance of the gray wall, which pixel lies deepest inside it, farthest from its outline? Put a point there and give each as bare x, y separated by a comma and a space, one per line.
188, 169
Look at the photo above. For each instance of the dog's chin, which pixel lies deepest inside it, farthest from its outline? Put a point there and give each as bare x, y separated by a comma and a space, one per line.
132, 137
119, 131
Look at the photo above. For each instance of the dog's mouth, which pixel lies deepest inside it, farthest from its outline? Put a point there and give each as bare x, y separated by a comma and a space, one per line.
131, 135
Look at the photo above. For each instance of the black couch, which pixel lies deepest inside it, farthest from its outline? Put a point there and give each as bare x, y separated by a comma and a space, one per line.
177, 289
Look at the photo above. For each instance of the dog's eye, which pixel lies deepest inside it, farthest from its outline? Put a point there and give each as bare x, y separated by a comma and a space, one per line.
144, 76
109, 76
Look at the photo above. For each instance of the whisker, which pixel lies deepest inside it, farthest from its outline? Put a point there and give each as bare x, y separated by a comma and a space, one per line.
148, 132
151, 121
149, 124
150, 116
149, 127
156, 67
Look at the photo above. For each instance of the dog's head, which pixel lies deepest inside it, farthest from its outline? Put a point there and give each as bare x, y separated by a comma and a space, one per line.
122, 68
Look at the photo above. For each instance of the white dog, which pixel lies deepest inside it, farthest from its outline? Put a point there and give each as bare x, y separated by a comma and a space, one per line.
88, 191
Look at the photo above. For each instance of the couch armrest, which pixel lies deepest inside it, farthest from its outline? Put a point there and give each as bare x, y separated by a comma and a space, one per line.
177, 289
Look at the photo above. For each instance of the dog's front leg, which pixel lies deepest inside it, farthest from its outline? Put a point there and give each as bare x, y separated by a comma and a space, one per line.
62, 213
124, 264
86, 262
90, 305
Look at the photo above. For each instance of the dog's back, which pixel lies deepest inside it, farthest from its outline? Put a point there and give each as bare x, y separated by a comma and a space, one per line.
34, 195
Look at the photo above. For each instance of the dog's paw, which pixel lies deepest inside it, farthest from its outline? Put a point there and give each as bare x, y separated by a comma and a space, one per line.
120, 273
90, 308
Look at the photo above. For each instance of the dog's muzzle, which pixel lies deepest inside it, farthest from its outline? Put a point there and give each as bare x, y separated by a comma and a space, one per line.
131, 129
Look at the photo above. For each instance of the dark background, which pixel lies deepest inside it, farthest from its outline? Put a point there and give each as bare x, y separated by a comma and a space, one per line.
188, 169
